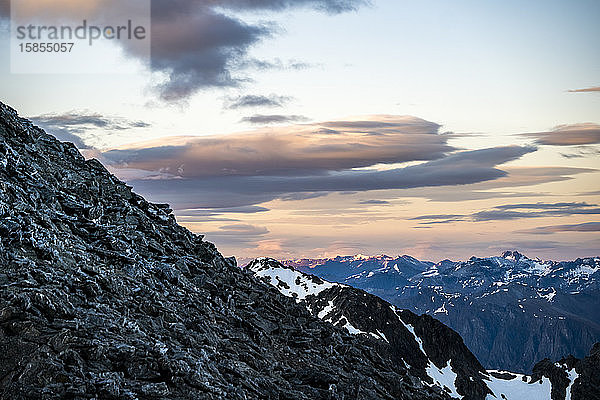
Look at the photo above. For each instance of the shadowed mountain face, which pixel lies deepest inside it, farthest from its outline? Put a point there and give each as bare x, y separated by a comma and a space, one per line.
103, 295
511, 311
427, 347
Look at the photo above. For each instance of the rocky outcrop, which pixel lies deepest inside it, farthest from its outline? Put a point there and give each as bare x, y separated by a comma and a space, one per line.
572, 377
103, 295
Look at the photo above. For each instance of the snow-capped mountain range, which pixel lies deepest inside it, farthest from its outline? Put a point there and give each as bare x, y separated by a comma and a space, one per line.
431, 351
512, 311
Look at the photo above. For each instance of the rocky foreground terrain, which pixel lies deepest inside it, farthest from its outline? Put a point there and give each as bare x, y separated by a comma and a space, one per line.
103, 295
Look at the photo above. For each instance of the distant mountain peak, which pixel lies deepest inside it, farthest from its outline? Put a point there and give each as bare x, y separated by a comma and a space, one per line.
513, 255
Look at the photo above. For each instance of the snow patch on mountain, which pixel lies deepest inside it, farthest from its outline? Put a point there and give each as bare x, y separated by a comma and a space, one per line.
573, 375
444, 378
517, 387
293, 283
351, 329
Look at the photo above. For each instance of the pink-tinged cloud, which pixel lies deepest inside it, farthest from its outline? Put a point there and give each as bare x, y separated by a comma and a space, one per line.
585, 227
591, 89
290, 151
569, 135
238, 190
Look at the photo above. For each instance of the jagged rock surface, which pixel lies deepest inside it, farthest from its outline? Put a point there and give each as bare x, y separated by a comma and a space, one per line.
572, 377
103, 295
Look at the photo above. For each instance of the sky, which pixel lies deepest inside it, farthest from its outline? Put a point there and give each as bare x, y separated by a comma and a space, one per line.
316, 128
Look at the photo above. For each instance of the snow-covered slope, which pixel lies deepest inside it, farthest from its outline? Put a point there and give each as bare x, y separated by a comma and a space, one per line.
553, 307
429, 349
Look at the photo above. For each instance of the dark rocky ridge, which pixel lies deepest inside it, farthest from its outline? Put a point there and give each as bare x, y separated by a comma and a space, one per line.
103, 295
585, 387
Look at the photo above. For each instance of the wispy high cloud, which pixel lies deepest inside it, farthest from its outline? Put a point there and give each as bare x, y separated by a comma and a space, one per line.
73, 126
515, 211
375, 202
209, 212
238, 234
276, 64
259, 119
547, 230
583, 152
252, 101
569, 135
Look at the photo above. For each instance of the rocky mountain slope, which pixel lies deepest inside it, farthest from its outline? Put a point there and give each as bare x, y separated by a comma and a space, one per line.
103, 295
428, 348
512, 311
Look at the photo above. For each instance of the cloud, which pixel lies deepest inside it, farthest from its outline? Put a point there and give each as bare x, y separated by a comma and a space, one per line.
237, 234
195, 44
294, 150
300, 196
503, 215
329, 6
73, 126
208, 212
243, 229
250, 101
504, 187
457, 169
515, 211
584, 227
259, 119
276, 64
82, 118
374, 202
569, 135
200, 44
545, 206
438, 216
582, 152
591, 89
538, 210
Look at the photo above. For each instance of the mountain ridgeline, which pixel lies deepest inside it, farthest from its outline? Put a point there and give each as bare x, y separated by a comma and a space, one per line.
512, 311
427, 347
